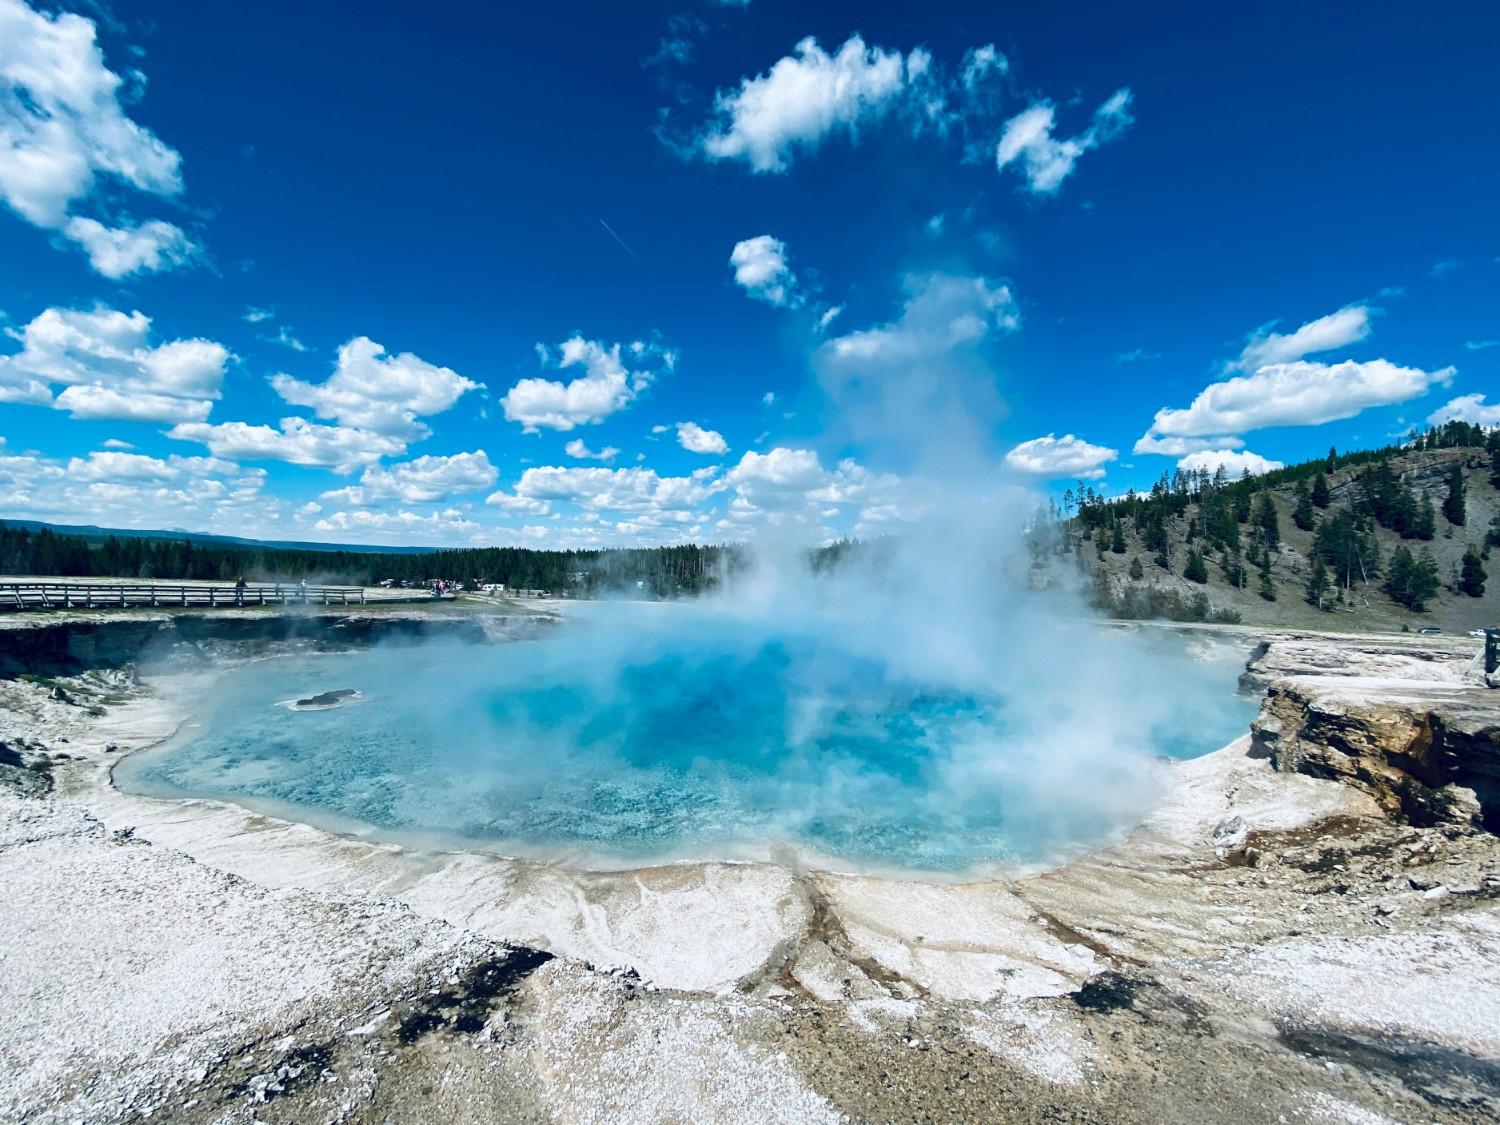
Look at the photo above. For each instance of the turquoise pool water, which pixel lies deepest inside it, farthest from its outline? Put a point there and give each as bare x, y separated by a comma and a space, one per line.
623, 740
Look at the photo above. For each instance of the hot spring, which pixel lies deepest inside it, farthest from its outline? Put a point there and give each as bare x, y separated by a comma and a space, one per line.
648, 733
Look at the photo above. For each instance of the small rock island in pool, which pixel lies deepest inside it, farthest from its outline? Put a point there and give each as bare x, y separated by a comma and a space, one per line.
323, 700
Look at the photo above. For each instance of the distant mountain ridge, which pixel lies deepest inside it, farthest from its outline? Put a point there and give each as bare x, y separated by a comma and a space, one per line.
96, 534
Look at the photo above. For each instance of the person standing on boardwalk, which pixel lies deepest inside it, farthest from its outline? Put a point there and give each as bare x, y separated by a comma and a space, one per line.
239, 590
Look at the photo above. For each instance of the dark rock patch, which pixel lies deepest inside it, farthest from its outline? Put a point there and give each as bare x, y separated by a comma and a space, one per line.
1108, 992
467, 1006
327, 699
1437, 1074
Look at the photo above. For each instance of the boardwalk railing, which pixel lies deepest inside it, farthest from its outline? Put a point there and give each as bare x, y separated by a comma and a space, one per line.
101, 595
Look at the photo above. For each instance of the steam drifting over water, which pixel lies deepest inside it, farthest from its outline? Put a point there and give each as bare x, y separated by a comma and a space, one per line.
708, 731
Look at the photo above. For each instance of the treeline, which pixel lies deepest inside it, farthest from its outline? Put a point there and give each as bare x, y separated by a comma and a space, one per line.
664, 571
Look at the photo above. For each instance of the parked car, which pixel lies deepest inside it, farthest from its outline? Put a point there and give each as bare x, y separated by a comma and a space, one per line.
1429, 629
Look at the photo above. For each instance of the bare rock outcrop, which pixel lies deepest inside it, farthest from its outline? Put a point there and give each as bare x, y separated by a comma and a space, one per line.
1428, 659
1427, 752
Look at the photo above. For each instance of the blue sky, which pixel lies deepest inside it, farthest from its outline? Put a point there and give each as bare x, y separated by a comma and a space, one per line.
468, 251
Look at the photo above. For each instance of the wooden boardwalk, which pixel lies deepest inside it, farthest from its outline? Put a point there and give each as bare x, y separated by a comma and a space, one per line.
121, 595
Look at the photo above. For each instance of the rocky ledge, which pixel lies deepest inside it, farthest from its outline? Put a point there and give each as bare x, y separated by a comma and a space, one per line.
1306, 930
1429, 753
1416, 658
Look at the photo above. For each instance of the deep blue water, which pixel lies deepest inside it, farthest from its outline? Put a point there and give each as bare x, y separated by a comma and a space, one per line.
614, 744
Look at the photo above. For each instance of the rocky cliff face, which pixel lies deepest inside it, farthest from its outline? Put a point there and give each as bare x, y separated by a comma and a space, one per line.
1428, 752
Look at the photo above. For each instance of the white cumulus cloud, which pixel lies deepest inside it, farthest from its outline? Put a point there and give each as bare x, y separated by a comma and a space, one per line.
1066, 456
761, 269
298, 442
121, 251
96, 402
111, 368
407, 527
1234, 462
579, 448
1336, 330
1179, 446
422, 480
525, 505
695, 439
980, 63
1301, 393
612, 377
1046, 161
782, 469
127, 490
601, 489
806, 96
1467, 408
107, 465
384, 394
62, 127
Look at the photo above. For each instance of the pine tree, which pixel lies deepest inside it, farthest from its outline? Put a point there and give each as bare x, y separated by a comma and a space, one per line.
1423, 525
1117, 540
1242, 503
1347, 545
1302, 510
1317, 583
1410, 581
1472, 576
1453, 503
1195, 570
1265, 520
1137, 571
1267, 588
1164, 560
1320, 491
1234, 570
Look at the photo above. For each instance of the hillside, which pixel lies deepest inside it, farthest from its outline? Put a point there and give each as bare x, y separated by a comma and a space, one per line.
1423, 474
